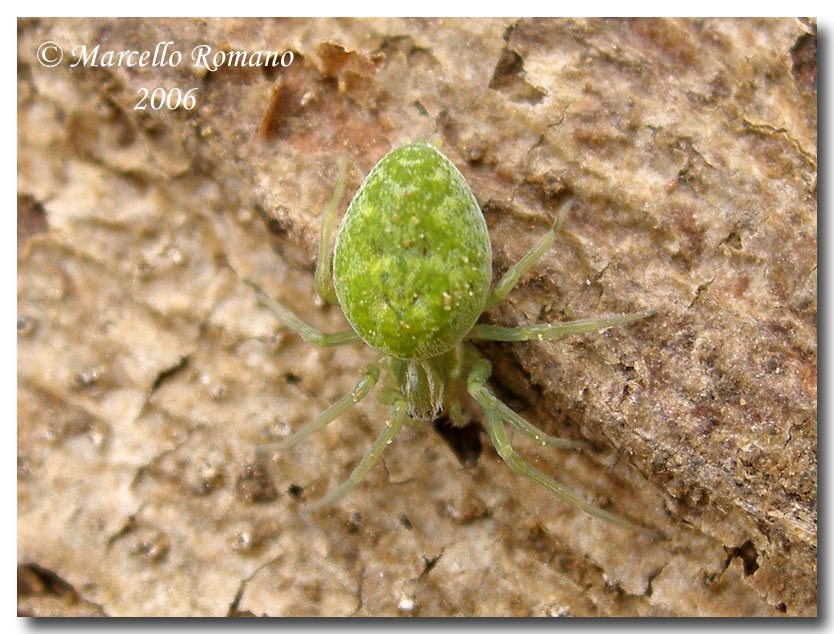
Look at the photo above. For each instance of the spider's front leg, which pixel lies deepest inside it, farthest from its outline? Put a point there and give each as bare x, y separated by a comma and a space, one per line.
496, 413
369, 378
392, 427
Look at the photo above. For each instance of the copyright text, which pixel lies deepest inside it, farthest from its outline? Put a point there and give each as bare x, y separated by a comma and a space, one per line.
164, 54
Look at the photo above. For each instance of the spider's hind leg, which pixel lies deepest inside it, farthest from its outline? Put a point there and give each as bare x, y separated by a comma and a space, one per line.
514, 273
538, 332
324, 262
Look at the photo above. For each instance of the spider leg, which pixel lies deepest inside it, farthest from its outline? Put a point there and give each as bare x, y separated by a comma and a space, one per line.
324, 263
539, 332
398, 417
359, 391
490, 402
498, 436
514, 273
301, 327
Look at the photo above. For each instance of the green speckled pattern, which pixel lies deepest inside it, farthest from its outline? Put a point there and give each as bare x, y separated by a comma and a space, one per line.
412, 263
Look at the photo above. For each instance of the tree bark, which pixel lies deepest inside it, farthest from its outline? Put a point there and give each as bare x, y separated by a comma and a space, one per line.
148, 374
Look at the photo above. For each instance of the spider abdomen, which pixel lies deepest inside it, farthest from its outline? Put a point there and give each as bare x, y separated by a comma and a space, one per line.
412, 260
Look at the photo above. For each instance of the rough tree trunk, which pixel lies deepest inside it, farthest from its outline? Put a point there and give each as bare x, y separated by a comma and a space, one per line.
148, 374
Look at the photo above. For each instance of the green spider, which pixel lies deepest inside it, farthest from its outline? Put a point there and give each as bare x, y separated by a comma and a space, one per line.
411, 270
